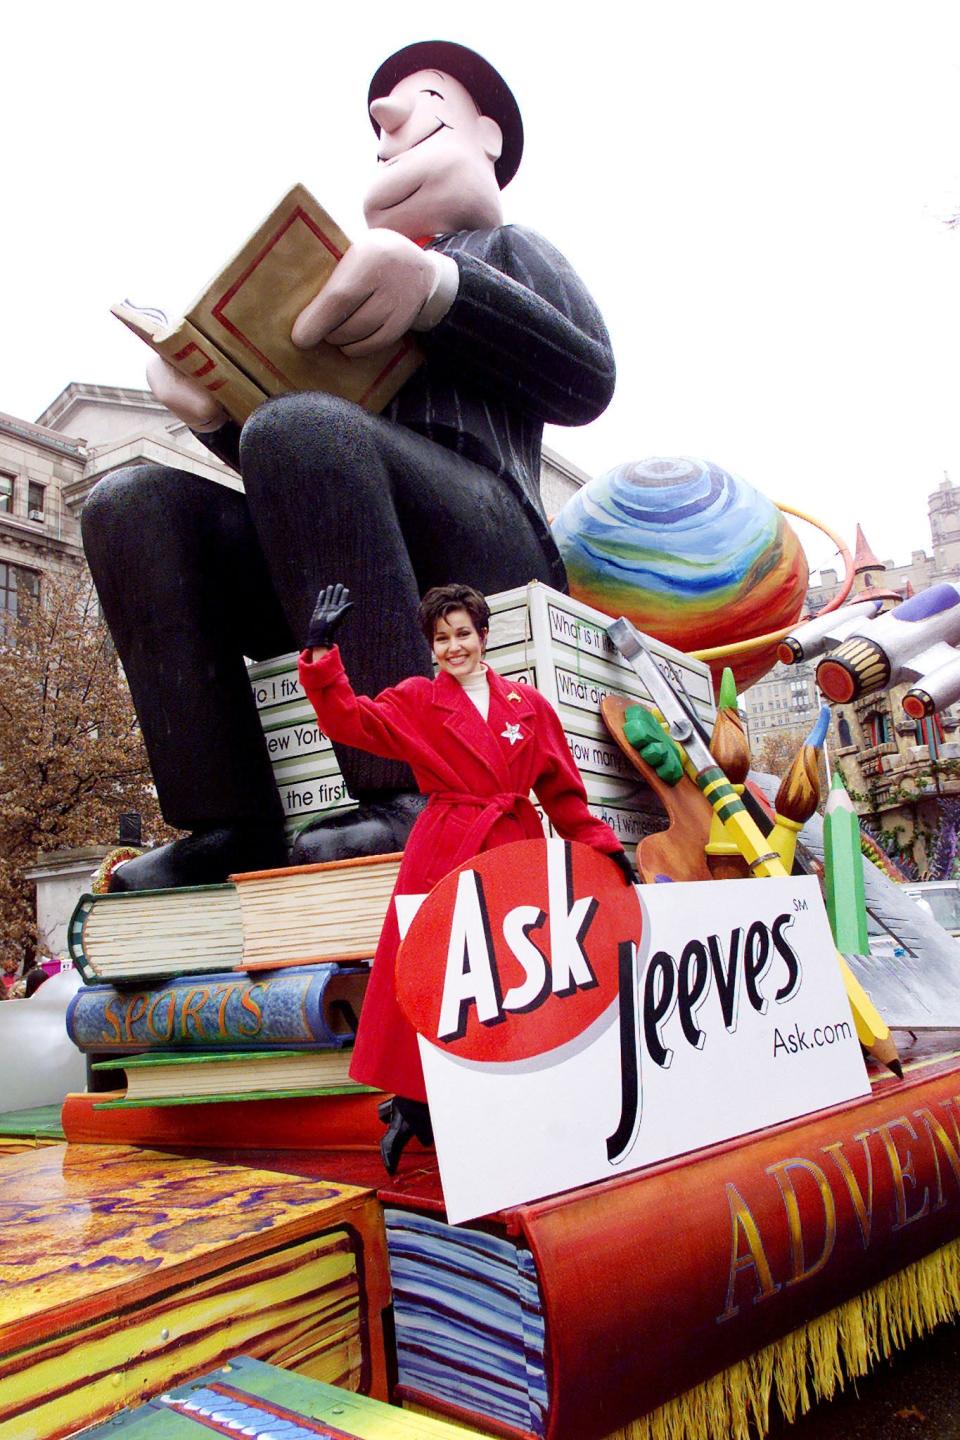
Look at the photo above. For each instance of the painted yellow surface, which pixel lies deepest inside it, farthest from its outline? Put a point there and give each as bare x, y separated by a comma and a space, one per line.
125, 1272
16, 1144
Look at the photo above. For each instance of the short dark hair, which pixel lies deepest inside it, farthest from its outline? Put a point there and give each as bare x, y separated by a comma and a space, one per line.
439, 602
35, 977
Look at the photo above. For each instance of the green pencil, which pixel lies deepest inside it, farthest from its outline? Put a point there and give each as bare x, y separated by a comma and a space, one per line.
844, 871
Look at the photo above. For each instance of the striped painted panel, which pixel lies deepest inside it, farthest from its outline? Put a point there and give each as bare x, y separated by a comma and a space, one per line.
299, 1308
469, 1320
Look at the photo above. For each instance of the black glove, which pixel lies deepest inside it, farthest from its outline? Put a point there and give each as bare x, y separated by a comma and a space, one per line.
333, 606
630, 876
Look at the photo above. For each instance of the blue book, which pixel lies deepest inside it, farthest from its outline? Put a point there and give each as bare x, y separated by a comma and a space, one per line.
313, 1007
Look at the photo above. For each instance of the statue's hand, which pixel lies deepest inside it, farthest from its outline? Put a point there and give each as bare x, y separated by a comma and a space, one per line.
373, 296
190, 401
332, 607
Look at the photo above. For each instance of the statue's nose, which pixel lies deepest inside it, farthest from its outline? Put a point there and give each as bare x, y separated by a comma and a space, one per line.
390, 113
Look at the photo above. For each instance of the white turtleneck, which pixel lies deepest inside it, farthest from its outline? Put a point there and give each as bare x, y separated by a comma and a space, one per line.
477, 688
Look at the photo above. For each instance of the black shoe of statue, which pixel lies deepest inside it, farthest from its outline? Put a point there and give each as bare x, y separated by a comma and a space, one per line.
375, 827
205, 858
404, 1119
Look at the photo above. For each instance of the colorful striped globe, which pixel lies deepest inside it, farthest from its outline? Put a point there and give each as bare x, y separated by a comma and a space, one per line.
690, 553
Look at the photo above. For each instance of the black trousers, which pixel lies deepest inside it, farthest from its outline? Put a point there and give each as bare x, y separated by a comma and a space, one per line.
192, 577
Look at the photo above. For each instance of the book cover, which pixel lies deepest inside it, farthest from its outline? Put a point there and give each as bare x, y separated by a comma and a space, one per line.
126, 1272
600, 1305
297, 1008
346, 1121
248, 1397
165, 1078
245, 316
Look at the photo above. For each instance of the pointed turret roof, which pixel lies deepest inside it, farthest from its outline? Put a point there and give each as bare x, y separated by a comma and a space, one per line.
864, 558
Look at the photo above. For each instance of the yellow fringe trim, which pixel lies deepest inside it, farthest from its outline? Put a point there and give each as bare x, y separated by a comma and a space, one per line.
814, 1362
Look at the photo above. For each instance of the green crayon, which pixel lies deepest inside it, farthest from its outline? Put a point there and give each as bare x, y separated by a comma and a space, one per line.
843, 876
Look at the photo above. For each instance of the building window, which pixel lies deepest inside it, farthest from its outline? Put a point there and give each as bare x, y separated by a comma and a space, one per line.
929, 732
843, 730
15, 585
879, 730
6, 492
35, 494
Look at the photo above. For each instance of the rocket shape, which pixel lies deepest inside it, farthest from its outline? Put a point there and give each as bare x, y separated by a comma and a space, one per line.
825, 631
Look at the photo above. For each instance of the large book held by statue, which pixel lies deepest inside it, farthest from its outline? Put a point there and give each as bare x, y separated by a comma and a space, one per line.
235, 337
257, 921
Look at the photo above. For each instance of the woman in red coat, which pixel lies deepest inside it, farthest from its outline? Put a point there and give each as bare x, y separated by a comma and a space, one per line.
477, 746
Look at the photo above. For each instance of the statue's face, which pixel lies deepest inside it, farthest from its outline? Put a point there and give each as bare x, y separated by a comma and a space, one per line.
435, 159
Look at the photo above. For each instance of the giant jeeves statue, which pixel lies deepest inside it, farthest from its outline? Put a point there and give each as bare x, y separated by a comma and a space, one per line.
444, 485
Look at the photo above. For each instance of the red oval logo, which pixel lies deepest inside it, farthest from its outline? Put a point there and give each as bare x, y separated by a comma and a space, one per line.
515, 953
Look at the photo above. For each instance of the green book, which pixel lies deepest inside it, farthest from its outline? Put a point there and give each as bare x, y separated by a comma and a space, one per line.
166, 1078
40, 1123
249, 1398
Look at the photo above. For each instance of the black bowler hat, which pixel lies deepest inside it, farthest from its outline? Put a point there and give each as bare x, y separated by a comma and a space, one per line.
488, 88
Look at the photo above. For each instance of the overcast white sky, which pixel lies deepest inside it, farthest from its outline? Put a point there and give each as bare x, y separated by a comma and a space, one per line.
755, 193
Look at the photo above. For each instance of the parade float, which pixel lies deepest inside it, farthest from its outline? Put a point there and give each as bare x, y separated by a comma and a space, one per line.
697, 1150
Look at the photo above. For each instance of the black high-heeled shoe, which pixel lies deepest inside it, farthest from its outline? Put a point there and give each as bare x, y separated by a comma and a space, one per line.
403, 1118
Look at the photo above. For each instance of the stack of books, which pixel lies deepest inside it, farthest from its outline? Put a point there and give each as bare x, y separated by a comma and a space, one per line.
537, 637
246, 991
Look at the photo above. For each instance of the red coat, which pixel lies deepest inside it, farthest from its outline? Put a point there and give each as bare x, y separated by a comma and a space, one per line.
478, 783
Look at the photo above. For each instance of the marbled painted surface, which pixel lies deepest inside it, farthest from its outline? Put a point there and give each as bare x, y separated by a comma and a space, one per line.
124, 1271
689, 553
89, 1220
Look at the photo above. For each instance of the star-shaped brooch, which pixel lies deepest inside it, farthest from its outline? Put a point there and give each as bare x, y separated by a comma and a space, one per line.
511, 733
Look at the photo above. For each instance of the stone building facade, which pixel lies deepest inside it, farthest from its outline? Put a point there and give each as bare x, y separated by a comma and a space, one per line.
39, 533
48, 467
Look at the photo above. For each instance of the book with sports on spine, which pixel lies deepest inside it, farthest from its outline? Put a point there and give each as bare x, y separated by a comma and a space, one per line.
235, 337
184, 1079
304, 1007
261, 920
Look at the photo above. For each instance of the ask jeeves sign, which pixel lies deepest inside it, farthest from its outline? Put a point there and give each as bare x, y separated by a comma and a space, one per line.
573, 1028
